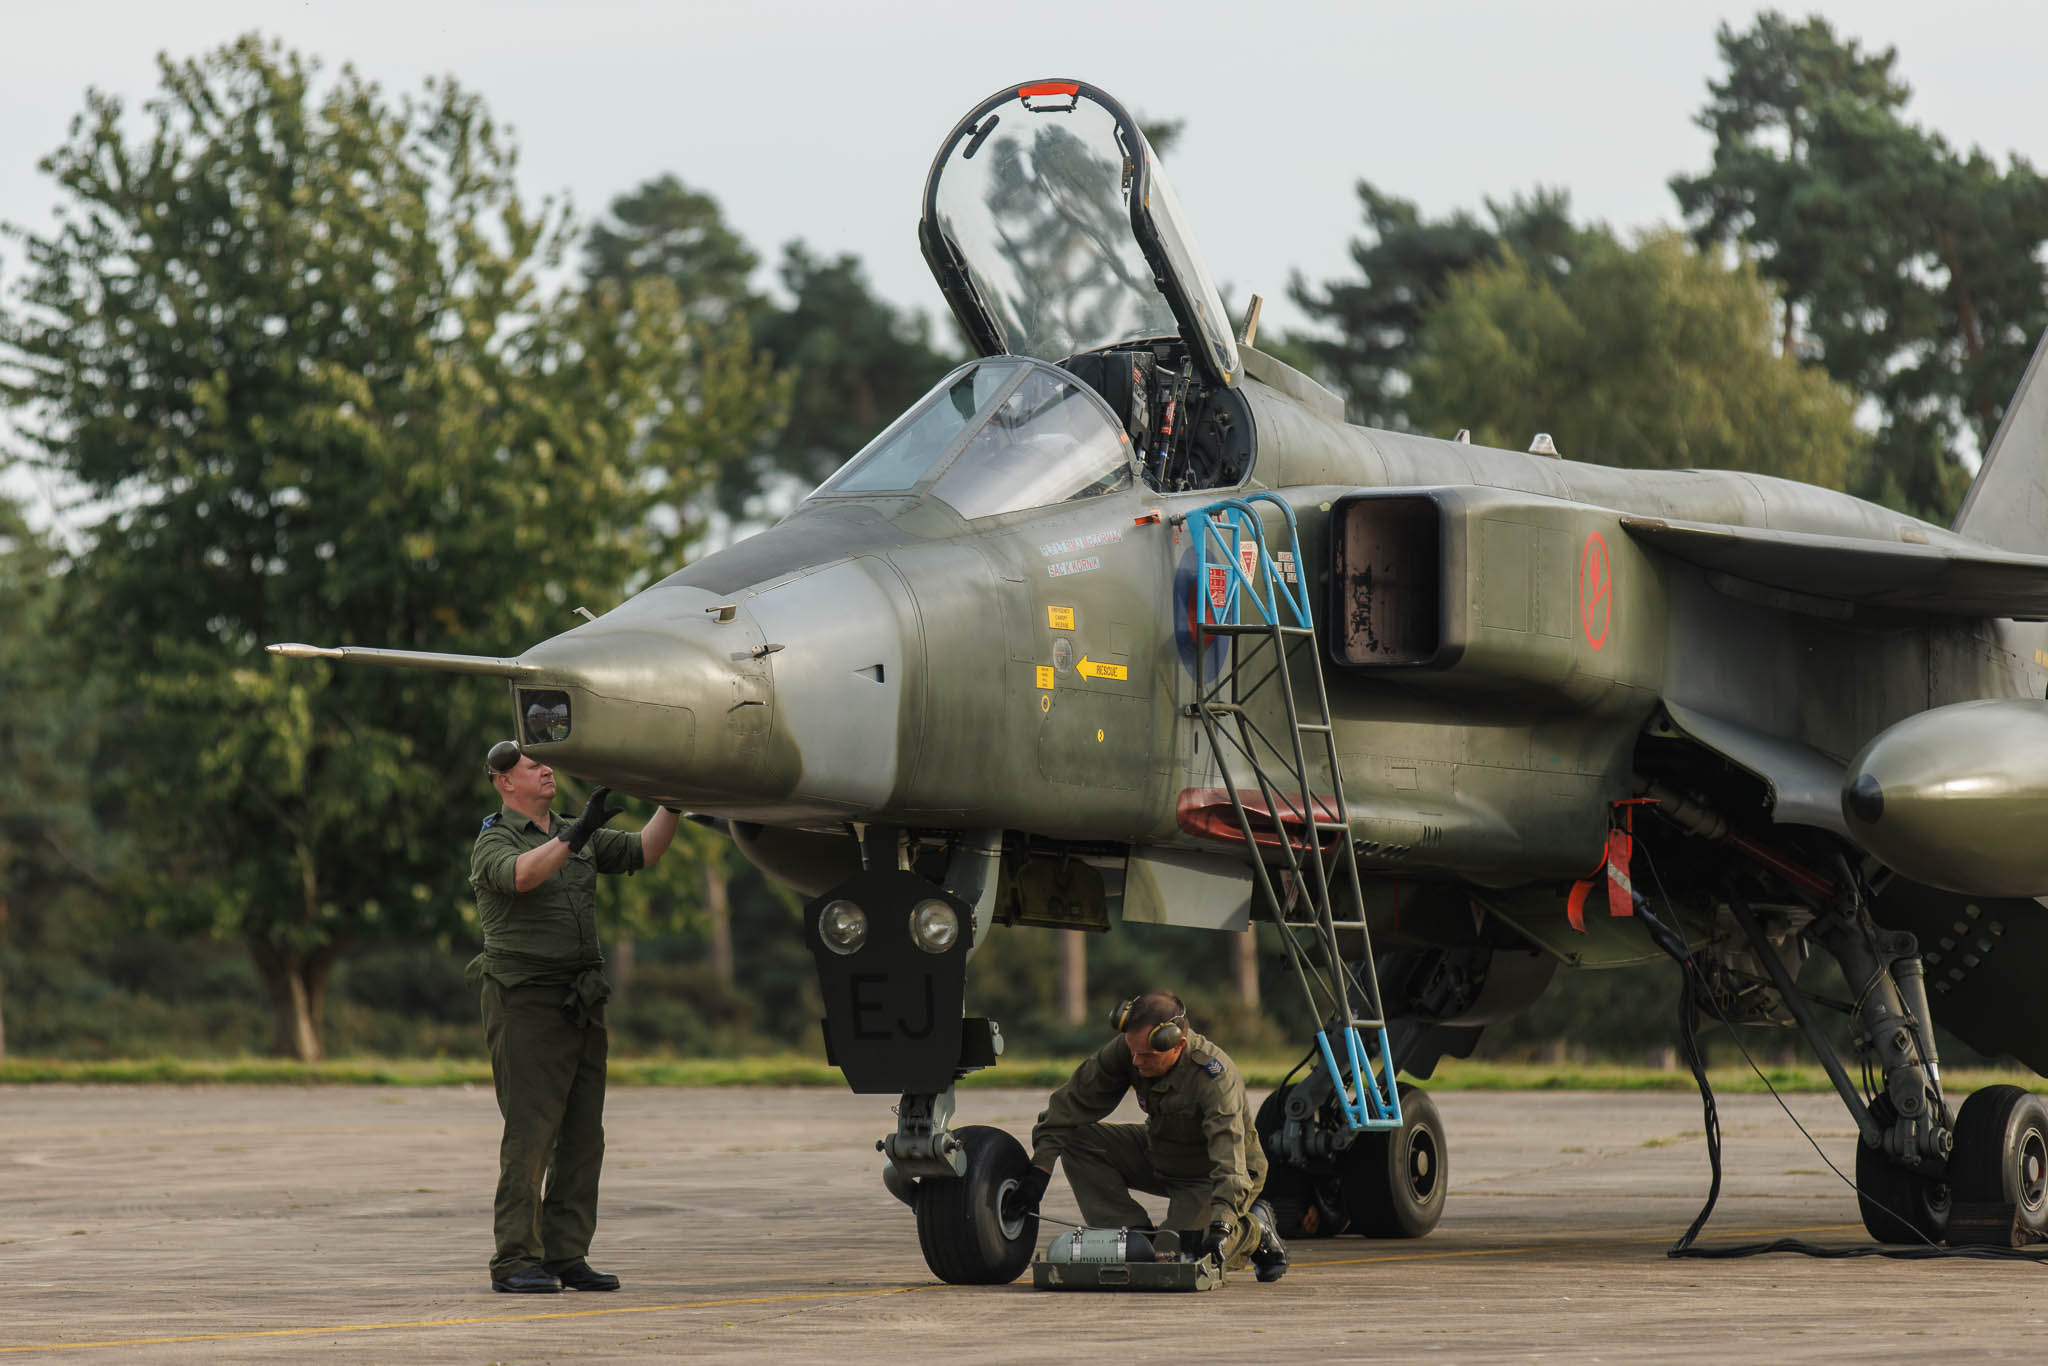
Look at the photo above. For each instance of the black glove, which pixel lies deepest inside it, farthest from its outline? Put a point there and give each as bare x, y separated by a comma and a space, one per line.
1218, 1239
595, 814
1029, 1191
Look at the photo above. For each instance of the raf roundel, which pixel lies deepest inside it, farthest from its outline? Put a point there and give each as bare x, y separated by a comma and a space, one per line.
1596, 590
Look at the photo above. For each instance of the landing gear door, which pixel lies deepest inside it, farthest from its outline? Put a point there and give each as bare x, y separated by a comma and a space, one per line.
1052, 231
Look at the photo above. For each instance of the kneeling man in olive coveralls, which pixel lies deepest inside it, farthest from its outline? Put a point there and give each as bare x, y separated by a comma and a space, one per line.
544, 991
1197, 1146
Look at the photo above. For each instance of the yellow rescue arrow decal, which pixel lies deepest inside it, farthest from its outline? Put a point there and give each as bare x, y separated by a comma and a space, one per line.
1088, 668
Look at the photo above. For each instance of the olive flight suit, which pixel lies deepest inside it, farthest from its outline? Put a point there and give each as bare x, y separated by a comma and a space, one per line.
544, 991
1197, 1146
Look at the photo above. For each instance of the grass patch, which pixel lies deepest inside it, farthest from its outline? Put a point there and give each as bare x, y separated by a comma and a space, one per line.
1261, 1074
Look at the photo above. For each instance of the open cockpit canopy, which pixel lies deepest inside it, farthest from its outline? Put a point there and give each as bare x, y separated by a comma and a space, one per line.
1052, 231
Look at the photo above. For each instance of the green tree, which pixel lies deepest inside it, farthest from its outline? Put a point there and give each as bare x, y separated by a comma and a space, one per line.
854, 362
666, 230
851, 361
1654, 356
1405, 261
53, 857
1912, 273
294, 337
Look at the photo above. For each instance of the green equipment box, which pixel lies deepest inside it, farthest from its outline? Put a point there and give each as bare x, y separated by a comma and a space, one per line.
1119, 1259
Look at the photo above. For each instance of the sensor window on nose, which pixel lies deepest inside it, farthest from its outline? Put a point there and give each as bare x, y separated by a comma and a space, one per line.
543, 716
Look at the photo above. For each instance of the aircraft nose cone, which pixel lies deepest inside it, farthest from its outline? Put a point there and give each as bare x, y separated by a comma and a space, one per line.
667, 697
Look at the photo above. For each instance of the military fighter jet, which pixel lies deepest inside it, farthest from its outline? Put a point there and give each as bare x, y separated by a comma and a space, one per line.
1122, 621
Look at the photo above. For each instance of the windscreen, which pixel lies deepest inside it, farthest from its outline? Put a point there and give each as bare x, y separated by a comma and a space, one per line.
1049, 441
911, 447
996, 436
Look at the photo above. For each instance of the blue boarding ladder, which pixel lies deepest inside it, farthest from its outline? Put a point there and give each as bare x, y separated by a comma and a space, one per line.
1262, 609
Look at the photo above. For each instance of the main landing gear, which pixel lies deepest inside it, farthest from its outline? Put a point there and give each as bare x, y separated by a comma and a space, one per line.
1925, 1174
1388, 1183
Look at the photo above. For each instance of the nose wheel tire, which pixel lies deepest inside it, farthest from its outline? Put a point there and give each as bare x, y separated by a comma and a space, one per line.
1395, 1181
2001, 1155
961, 1226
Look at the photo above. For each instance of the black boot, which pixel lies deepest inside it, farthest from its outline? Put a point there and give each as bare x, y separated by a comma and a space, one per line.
1270, 1256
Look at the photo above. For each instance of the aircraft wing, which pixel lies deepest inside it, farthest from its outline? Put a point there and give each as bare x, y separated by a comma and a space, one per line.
1948, 579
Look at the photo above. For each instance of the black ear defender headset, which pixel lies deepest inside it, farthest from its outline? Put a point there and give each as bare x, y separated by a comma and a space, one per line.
503, 757
1165, 1036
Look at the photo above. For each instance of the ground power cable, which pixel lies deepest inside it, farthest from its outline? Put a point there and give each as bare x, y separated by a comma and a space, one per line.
1671, 939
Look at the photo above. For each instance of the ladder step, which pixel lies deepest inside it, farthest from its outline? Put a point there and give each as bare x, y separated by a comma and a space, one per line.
1318, 726
1249, 628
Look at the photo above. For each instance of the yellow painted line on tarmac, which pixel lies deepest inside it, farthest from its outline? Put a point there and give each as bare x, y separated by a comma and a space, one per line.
459, 1323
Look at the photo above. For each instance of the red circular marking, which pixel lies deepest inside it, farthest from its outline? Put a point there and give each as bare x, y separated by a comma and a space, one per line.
1596, 590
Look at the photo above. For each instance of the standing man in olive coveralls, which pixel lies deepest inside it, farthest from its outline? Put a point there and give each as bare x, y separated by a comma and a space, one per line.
544, 991
1197, 1146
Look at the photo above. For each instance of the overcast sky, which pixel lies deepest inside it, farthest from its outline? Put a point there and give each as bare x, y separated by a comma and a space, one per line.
819, 120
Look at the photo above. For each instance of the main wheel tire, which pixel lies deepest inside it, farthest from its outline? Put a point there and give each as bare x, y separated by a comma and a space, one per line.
960, 1222
2001, 1154
1396, 1181
1899, 1205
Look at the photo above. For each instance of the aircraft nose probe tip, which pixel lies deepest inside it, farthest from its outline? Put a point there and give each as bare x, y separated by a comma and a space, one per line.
294, 650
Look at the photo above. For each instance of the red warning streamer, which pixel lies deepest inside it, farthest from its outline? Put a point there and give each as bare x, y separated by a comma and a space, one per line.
1615, 857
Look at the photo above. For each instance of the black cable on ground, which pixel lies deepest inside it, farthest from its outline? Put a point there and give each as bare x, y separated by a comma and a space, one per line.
1671, 939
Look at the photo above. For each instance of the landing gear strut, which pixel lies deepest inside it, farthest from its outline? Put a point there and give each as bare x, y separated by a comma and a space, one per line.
1902, 1158
1923, 1176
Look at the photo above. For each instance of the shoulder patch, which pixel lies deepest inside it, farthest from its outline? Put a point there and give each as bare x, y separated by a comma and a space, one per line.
489, 821
1213, 1067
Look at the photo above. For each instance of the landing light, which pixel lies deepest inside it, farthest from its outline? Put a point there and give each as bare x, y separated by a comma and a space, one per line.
843, 926
934, 926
